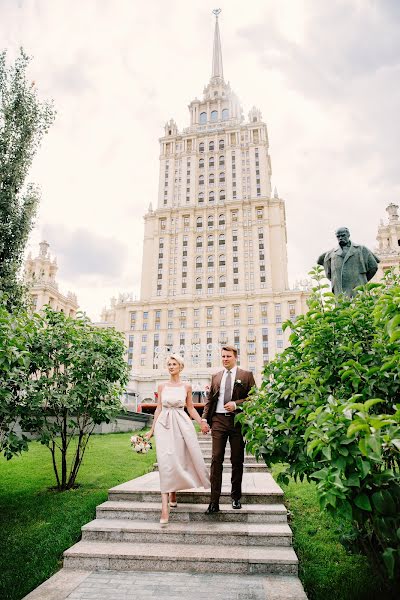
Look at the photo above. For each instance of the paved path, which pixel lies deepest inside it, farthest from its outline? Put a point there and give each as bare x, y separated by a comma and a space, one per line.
114, 585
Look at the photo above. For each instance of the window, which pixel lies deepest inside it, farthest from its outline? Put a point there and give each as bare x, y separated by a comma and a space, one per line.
210, 222
211, 162
198, 283
222, 177
199, 262
222, 195
222, 260
199, 242
221, 161
145, 315
210, 240
210, 282
201, 163
214, 115
221, 239
211, 146
221, 144
201, 198
199, 222
210, 261
222, 281
211, 179
279, 343
221, 220
201, 147
225, 114
203, 118
211, 197
201, 180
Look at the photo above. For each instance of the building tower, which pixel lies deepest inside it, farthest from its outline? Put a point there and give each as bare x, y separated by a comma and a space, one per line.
40, 277
388, 239
214, 256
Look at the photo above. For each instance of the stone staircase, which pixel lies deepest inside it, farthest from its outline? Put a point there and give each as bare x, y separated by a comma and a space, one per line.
126, 534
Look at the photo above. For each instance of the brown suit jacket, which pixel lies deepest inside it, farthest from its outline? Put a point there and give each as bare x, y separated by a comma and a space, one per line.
239, 393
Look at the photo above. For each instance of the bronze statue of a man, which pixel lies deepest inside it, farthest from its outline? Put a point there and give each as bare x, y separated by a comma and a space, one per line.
349, 265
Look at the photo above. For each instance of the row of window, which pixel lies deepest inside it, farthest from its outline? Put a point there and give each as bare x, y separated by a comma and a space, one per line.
214, 116
210, 218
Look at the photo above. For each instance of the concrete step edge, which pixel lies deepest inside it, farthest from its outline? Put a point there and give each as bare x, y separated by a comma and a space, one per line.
231, 529
177, 552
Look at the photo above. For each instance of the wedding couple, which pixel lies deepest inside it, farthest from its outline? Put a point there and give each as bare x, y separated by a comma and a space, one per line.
180, 461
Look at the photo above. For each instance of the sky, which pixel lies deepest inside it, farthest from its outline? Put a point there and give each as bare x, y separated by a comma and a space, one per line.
326, 76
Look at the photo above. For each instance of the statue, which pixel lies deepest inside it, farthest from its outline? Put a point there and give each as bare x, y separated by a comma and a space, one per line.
349, 265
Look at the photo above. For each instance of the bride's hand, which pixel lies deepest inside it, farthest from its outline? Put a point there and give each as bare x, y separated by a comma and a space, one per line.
148, 435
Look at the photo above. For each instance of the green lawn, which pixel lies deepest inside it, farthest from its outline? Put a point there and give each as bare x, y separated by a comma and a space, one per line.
328, 570
37, 524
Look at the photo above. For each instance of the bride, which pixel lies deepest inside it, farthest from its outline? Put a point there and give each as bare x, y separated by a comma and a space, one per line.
180, 461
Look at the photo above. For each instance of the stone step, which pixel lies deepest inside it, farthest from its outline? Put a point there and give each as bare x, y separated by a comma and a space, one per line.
247, 459
200, 532
196, 558
257, 488
247, 468
185, 513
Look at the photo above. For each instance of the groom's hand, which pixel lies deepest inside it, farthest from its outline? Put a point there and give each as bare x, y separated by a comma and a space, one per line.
204, 426
230, 406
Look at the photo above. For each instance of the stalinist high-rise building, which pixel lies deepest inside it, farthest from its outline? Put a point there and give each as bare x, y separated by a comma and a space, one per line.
214, 253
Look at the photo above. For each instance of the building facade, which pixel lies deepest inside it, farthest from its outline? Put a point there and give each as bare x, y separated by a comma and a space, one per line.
388, 239
40, 276
215, 251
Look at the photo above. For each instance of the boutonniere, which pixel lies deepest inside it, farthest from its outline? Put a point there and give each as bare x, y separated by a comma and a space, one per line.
238, 381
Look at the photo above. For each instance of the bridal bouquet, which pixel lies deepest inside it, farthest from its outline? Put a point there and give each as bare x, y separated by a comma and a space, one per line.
140, 445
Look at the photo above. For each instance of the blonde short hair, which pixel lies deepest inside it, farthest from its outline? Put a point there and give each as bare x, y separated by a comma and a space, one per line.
178, 359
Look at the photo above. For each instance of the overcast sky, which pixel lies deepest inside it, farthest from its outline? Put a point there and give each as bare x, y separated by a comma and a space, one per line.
326, 76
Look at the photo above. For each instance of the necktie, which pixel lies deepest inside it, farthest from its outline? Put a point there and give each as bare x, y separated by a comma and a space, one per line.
228, 388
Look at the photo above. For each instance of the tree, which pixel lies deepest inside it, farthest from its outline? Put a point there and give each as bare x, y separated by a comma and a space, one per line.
15, 339
24, 119
329, 410
78, 373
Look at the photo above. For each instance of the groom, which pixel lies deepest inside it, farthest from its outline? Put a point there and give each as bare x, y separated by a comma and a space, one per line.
229, 389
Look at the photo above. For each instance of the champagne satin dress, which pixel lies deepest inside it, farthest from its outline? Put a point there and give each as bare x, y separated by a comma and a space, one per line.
180, 461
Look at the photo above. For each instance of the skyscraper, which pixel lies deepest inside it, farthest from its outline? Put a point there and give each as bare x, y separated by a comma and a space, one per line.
214, 253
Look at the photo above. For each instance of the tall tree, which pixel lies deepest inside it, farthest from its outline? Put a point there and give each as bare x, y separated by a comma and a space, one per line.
24, 119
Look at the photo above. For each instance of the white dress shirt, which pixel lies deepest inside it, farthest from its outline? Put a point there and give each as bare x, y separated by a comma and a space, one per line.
220, 404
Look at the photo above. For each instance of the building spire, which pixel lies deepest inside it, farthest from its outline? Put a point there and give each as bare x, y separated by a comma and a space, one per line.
217, 70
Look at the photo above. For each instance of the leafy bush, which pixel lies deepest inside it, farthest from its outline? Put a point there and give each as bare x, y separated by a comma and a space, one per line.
78, 373
329, 408
15, 335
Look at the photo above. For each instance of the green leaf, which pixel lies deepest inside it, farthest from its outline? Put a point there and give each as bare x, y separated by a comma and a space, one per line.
389, 559
384, 502
362, 501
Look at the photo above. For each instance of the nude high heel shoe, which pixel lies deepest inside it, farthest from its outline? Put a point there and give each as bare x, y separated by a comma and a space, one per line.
164, 522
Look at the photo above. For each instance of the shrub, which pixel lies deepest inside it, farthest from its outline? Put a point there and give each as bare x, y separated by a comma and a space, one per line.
329, 408
78, 373
15, 335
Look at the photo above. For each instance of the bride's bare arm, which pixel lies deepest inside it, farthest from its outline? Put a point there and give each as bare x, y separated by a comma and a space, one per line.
150, 433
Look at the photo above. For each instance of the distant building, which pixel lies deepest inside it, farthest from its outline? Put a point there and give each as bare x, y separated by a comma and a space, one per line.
388, 239
215, 250
40, 276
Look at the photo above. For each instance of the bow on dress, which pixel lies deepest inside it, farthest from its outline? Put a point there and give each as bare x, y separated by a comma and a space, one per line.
165, 415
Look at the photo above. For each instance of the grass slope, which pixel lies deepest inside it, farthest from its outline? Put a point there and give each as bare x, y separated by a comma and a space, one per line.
327, 568
38, 524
